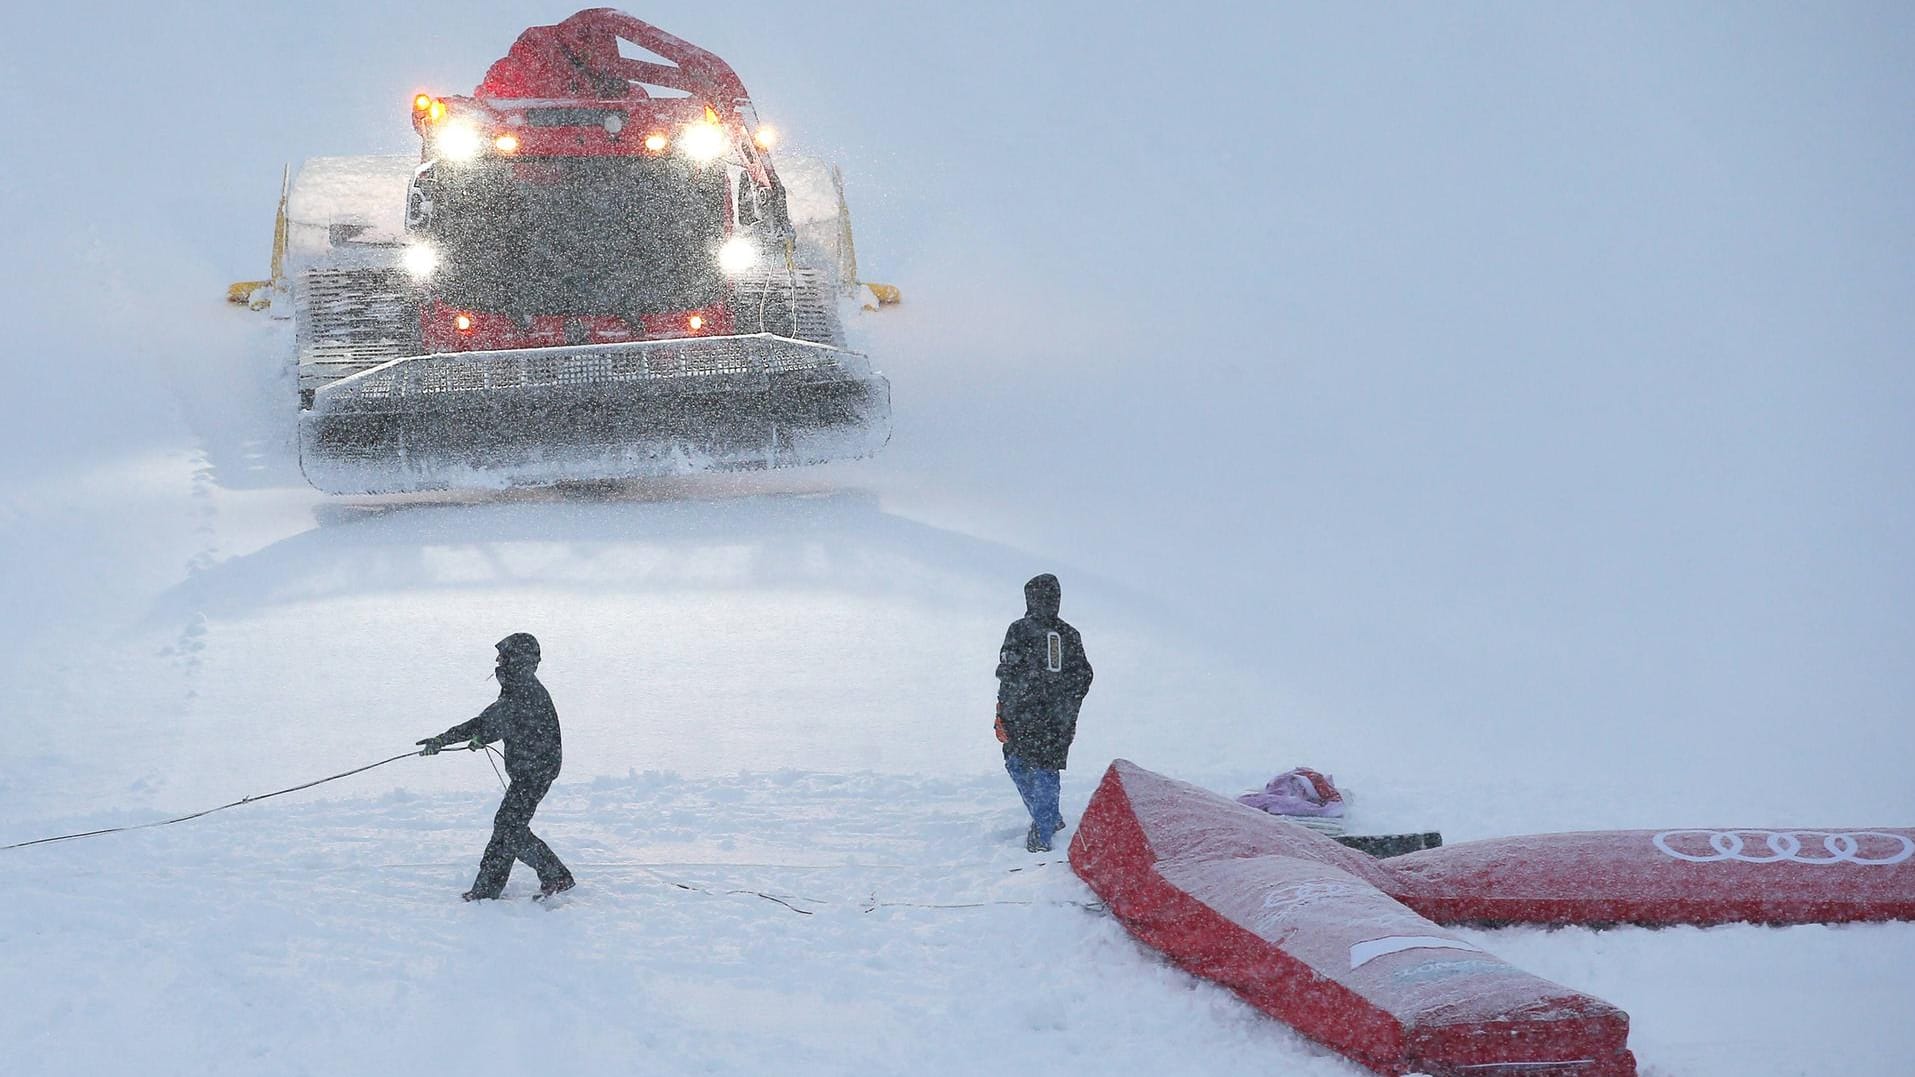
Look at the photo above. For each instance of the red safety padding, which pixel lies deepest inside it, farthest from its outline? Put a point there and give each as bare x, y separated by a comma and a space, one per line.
1663, 877
1297, 925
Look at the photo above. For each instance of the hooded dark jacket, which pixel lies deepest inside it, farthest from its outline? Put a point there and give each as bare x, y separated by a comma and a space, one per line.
1042, 678
522, 716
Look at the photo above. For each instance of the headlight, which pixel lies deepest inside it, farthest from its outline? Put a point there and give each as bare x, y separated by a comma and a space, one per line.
737, 255
702, 141
420, 260
460, 141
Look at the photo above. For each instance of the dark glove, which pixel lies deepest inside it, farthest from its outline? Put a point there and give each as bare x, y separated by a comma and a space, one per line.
432, 745
477, 745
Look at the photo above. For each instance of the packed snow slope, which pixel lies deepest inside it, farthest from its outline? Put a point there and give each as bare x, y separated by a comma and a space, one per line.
1504, 409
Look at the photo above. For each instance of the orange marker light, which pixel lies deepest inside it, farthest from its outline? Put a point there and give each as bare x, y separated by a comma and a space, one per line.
507, 144
696, 322
462, 322
766, 137
422, 102
656, 142
436, 111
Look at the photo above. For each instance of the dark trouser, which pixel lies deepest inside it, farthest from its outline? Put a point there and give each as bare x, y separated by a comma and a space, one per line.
512, 838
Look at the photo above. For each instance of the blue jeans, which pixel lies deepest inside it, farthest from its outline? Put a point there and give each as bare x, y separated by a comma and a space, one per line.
1039, 789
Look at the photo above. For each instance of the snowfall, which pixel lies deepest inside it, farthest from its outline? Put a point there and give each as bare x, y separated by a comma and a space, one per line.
1503, 408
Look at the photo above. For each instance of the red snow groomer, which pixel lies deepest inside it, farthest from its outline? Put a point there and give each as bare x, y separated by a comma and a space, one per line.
597, 276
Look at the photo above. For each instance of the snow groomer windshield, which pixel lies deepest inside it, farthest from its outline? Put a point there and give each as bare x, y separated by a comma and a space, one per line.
579, 235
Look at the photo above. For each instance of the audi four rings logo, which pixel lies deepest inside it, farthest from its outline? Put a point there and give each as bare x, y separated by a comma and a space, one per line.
1870, 848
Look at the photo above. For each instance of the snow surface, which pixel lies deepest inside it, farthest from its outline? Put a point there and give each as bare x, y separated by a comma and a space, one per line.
1502, 408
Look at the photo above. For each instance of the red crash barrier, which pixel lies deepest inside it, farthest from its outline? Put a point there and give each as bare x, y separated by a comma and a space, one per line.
1301, 928
1663, 877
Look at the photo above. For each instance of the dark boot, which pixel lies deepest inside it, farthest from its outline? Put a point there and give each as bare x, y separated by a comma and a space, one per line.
1036, 842
557, 886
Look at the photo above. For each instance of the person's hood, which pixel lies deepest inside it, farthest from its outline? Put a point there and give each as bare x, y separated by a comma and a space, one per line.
518, 656
1042, 596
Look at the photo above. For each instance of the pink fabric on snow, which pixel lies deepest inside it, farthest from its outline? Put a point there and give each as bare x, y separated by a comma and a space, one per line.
1301, 791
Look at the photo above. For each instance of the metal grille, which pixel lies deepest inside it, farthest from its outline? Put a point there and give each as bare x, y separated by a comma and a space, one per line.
801, 304
353, 319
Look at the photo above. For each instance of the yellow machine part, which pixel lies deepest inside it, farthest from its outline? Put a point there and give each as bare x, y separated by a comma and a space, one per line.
882, 295
245, 291
242, 291
877, 295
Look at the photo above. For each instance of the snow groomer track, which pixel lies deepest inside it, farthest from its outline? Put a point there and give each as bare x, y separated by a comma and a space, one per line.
528, 416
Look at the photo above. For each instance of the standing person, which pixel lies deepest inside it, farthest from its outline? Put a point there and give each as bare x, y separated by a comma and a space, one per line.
523, 716
1042, 678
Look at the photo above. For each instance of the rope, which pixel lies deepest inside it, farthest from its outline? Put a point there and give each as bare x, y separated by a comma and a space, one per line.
754, 893
869, 906
490, 751
209, 811
872, 905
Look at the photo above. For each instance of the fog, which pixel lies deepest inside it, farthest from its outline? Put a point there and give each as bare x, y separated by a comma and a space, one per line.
1496, 381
